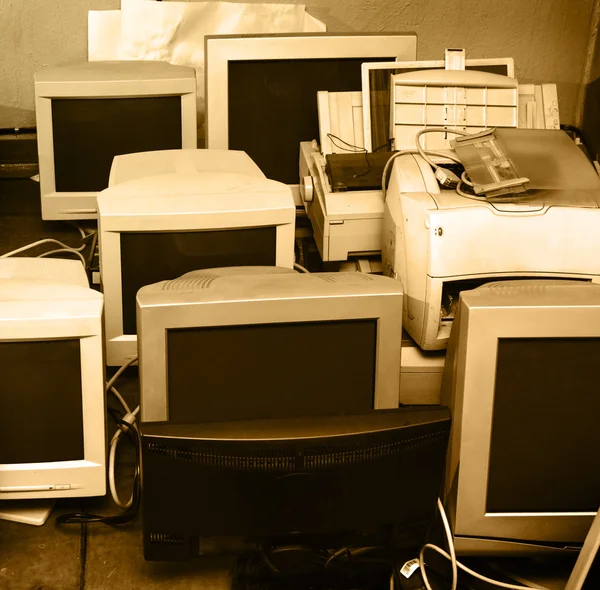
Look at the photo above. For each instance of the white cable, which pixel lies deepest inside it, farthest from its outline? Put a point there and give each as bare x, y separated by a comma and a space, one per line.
402, 153
301, 268
64, 251
423, 152
128, 417
39, 243
83, 232
79, 229
119, 372
467, 182
119, 397
457, 564
464, 179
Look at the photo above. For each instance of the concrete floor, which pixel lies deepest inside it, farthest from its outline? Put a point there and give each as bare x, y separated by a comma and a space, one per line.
97, 556
94, 557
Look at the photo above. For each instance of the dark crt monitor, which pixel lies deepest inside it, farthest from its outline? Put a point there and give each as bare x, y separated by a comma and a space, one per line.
89, 132
271, 370
521, 379
41, 413
150, 257
537, 383
324, 481
273, 106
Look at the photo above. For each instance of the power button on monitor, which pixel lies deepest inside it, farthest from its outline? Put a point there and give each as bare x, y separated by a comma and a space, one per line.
62, 486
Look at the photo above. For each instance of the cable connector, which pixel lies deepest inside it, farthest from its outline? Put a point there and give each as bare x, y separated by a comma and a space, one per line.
446, 177
130, 419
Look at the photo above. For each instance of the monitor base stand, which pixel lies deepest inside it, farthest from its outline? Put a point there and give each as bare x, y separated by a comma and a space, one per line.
34, 512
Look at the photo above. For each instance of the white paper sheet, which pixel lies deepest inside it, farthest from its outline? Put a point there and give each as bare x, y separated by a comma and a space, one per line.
104, 35
313, 25
175, 31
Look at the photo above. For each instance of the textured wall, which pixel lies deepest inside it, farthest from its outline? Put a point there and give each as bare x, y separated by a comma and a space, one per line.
547, 38
36, 34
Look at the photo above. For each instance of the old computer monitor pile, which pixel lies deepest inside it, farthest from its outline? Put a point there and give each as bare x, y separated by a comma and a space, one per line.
245, 363
253, 340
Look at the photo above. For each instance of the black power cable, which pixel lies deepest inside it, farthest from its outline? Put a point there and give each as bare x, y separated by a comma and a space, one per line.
128, 515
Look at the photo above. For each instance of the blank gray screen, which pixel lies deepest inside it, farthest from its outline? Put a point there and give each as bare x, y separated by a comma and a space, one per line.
544, 453
41, 412
271, 370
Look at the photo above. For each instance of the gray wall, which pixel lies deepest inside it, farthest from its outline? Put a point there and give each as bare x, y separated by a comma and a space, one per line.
547, 38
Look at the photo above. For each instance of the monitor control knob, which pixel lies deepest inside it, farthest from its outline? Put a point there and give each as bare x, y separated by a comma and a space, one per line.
307, 188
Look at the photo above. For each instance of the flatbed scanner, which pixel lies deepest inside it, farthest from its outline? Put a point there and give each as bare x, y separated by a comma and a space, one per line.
438, 243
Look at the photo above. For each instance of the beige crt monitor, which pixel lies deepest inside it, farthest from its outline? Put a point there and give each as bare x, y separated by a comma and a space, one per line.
521, 378
130, 166
52, 403
159, 227
261, 90
87, 113
264, 343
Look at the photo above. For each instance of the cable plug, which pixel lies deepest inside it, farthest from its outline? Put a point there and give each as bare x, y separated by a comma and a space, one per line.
130, 419
446, 177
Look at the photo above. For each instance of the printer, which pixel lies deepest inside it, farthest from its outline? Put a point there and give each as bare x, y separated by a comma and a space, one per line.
345, 223
439, 243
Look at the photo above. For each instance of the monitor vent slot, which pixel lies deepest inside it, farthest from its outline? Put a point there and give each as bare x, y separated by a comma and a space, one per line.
530, 286
188, 284
202, 279
312, 458
166, 539
327, 457
345, 278
268, 463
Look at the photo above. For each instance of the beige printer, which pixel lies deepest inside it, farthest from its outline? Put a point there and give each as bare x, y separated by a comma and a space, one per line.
438, 243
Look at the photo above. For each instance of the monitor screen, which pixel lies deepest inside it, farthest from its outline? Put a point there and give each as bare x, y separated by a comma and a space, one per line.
41, 415
271, 370
269, 122
545, 436
89, 132
150, 257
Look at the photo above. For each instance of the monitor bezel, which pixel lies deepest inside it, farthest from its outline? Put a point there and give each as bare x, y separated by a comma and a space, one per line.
60, 320
323, 305
82, 204
222, 49
471, 438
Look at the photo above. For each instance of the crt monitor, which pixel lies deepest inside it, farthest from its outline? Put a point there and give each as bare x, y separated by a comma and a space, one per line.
90, 112
251, 344
131, 166
324, 481
159, 227
52, 408
284, 73
521, 379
